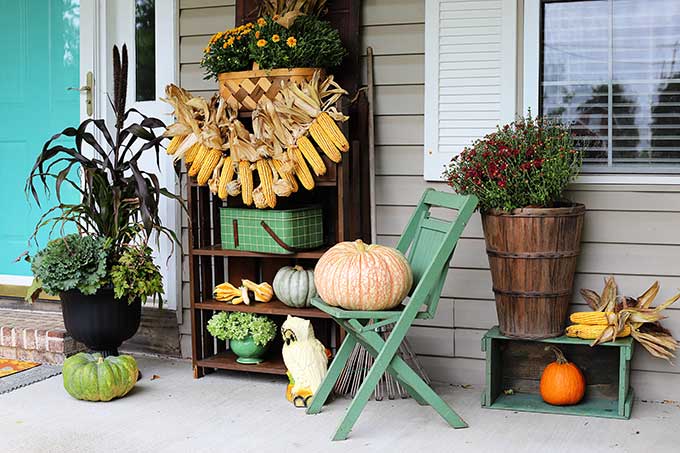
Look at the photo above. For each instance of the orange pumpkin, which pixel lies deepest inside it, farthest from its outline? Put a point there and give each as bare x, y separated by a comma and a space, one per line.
358, 276
562, 383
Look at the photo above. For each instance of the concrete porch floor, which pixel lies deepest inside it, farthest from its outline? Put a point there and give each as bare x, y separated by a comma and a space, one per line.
230, 412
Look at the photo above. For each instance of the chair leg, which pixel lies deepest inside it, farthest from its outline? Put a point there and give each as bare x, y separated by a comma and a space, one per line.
415, 383
332, 375
360, 400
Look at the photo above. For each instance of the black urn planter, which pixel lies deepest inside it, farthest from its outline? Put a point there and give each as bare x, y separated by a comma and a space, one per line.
100, 321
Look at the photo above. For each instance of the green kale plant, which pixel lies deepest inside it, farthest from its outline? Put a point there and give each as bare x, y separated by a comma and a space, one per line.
238, 326
72, 262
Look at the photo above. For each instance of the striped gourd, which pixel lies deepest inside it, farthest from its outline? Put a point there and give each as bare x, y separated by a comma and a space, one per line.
174, 144
246, 176
265, 174
209, 163
324, 141
287, 175
357, 276
332, 131
593, 317
198, 161
225, 177
312, 155
301, 169
591, 332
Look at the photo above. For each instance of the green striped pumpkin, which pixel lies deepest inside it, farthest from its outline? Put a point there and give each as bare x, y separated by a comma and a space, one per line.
91, 377
294, 286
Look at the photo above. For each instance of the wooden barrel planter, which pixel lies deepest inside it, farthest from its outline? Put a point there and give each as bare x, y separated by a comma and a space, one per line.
532, 254
242, 89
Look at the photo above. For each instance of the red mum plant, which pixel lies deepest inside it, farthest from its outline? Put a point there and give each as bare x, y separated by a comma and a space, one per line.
527, 163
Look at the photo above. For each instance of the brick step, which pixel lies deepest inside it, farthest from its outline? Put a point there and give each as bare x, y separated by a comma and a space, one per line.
37, 336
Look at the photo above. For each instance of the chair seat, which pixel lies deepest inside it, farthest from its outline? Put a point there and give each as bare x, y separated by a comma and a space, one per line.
341, 313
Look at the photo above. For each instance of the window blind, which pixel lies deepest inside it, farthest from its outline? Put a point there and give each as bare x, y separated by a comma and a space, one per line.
611, 69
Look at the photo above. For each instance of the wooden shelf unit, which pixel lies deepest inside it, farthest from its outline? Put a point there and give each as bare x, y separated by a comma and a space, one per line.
343, 192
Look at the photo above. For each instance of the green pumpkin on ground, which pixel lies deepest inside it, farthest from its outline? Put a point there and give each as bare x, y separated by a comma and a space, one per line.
91, 377
294, 286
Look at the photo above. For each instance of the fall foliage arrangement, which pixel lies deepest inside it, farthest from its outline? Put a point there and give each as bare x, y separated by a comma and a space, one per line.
527, 163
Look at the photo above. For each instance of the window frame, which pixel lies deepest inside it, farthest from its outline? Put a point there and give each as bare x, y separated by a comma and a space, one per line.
532, 61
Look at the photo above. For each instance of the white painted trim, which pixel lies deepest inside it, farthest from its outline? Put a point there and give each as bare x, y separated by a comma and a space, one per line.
432, 168
532, 20
15, 280
532, 39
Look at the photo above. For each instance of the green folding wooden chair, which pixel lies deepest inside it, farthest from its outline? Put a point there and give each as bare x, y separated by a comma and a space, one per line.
428, 243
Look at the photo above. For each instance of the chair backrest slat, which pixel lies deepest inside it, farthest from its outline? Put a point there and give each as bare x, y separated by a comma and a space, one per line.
425, 236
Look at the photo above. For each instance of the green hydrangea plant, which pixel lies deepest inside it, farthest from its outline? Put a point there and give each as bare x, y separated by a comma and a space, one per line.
72, 262
238, 326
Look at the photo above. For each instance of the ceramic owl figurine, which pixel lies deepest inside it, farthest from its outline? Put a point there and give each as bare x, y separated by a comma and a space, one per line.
306, 359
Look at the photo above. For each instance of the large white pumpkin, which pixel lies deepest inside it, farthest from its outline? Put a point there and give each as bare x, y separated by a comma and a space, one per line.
358, 276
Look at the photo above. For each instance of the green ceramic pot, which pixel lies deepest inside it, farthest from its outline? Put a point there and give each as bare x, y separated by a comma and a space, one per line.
248, 351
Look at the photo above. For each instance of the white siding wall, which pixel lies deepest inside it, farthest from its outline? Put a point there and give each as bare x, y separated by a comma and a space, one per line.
632, 232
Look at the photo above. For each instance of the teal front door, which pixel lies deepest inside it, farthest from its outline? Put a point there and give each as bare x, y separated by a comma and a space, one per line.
40, 55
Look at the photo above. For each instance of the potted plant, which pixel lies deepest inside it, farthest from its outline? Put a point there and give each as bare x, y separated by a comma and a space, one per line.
289, 42
519, 174
104, 270
249, 334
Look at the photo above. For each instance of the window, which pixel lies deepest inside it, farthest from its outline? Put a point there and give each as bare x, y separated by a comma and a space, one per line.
145, 50
611, 68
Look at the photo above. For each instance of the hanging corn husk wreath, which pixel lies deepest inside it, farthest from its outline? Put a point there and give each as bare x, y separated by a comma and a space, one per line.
221, 152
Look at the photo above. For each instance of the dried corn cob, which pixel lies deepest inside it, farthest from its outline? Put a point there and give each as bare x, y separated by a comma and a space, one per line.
209, 163
190, 155
287, 175
301, 169
267, 183
198, 161
591, 332
594, 318
324, 141
225, 177
333, 131
174, 144
246, 176
312, 155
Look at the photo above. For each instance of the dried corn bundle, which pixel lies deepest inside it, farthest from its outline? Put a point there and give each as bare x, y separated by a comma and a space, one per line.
287, 172
616, 316
311, 155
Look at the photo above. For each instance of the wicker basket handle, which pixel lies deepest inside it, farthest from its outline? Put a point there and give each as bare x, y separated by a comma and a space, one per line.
278, 240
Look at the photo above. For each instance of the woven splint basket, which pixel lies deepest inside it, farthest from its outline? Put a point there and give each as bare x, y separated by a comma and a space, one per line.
243, 89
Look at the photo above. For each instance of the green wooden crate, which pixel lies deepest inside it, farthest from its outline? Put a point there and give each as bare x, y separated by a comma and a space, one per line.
284, 231
516, 365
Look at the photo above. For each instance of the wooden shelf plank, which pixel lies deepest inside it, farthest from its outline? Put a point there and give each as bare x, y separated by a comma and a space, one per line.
274, 307
227, 361
216, 250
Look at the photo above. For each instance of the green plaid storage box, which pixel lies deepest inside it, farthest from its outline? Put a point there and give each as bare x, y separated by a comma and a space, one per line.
271, 231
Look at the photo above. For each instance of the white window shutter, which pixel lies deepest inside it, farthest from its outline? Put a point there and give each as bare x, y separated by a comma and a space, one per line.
470, 74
